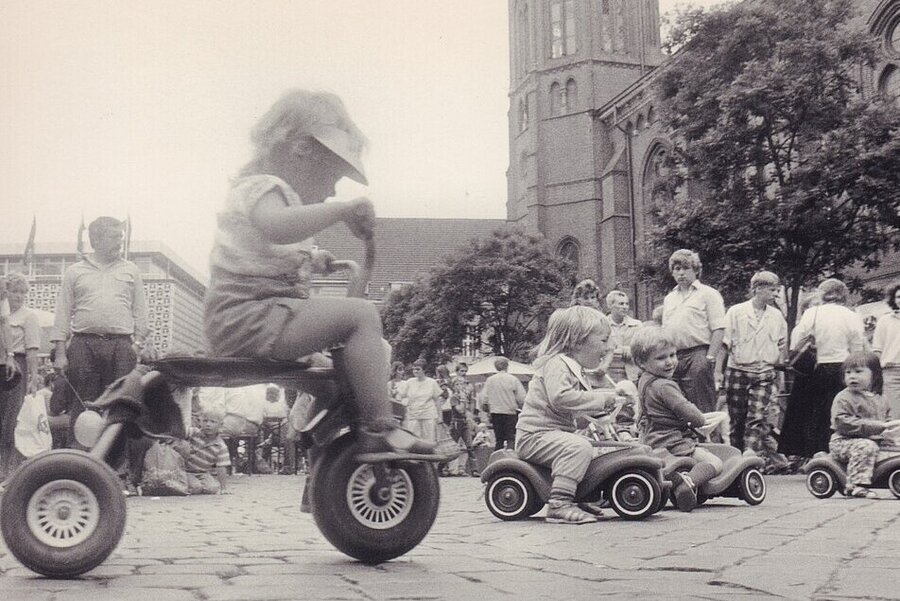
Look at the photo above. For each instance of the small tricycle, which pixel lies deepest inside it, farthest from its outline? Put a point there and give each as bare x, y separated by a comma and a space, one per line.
63, 512
825, 475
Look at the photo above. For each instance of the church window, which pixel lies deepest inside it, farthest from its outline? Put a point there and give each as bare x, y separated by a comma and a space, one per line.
618, 36
657, 188
890, 83
554, 98
568, 250
523, 49
571, 95
893, 37
523, 115
605, 26
562, 28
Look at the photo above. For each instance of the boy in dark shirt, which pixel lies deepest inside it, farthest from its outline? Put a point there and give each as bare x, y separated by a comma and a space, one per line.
667, 418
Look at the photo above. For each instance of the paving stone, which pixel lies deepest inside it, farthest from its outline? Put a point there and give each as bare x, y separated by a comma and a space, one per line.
254, 545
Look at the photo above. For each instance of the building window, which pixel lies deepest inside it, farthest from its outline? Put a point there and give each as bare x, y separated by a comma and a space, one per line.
523, 115
657, 187
523, 58
893, 37
554, 98
568, 250
889, 84
571, 95
562, 28
48, 267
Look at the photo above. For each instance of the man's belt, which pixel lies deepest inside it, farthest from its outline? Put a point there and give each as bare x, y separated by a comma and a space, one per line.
101, 336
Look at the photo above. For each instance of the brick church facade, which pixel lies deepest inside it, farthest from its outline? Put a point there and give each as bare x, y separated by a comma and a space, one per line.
585, 146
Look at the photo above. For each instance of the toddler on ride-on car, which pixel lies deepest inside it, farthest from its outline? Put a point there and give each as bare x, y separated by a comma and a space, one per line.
667, 418
545, 433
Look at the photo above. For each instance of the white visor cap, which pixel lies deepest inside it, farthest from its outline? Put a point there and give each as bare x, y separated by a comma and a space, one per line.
344, 146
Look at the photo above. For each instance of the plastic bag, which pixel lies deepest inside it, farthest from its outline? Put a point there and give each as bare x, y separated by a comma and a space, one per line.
32, 434
164, 472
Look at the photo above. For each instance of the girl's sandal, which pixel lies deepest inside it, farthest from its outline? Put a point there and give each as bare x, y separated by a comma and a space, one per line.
859, 492
568, 513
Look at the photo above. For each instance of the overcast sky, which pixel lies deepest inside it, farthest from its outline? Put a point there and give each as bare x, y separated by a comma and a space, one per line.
143, 108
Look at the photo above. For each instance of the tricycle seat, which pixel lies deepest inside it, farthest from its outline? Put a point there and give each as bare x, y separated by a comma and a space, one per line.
235, 372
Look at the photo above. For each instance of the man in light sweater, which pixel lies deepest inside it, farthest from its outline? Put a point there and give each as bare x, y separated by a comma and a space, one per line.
503, 395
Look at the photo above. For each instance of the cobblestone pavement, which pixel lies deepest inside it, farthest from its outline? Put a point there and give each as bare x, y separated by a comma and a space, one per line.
254, 544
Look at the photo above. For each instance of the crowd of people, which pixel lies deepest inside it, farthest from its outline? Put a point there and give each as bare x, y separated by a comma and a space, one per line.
693, 362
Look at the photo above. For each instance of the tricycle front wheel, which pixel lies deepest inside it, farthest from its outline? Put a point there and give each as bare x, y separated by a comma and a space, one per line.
63, 513
366, 521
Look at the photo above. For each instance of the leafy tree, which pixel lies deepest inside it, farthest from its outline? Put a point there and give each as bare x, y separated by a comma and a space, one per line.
780, 161
503, 286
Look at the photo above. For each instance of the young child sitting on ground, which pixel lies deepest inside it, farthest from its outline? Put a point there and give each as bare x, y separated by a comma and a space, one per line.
667, 419
205, 455
545, 434
860, 421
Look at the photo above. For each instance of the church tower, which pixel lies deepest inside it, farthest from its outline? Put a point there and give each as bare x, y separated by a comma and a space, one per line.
568, 177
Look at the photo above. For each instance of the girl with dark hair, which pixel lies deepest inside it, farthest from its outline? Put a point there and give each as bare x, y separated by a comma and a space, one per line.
860, 418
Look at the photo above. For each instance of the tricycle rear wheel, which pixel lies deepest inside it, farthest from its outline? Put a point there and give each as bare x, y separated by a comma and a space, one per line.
63, 513
368, 524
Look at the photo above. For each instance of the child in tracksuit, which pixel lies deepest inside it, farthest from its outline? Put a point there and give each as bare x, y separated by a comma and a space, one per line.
667, 418
545, 433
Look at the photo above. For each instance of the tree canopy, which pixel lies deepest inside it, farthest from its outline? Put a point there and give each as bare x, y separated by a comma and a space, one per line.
794, 164
501, 288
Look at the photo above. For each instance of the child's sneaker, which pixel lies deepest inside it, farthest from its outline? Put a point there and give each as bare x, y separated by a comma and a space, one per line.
684, 490
392, 439
860, 492
567, 512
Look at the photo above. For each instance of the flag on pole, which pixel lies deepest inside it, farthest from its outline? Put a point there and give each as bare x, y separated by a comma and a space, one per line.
28, 254
80, 248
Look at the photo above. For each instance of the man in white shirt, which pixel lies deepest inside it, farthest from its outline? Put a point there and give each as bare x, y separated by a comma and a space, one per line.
622, 329
695, 314
754, 342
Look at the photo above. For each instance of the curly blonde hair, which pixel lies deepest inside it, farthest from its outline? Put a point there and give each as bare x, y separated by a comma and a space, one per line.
303, 113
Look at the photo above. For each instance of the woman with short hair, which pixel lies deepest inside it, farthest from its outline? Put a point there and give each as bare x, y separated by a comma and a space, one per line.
836, 331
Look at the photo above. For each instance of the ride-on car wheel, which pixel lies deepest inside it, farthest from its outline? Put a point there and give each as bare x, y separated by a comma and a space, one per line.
363, 521
510, 496
634, 495
752, 486
63, 513
821, 483
894, 483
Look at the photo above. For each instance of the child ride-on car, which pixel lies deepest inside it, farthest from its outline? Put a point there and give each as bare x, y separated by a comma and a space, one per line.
825, 475
624, 474
740, 476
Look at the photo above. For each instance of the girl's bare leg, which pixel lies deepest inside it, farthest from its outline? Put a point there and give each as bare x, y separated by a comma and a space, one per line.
355, 323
